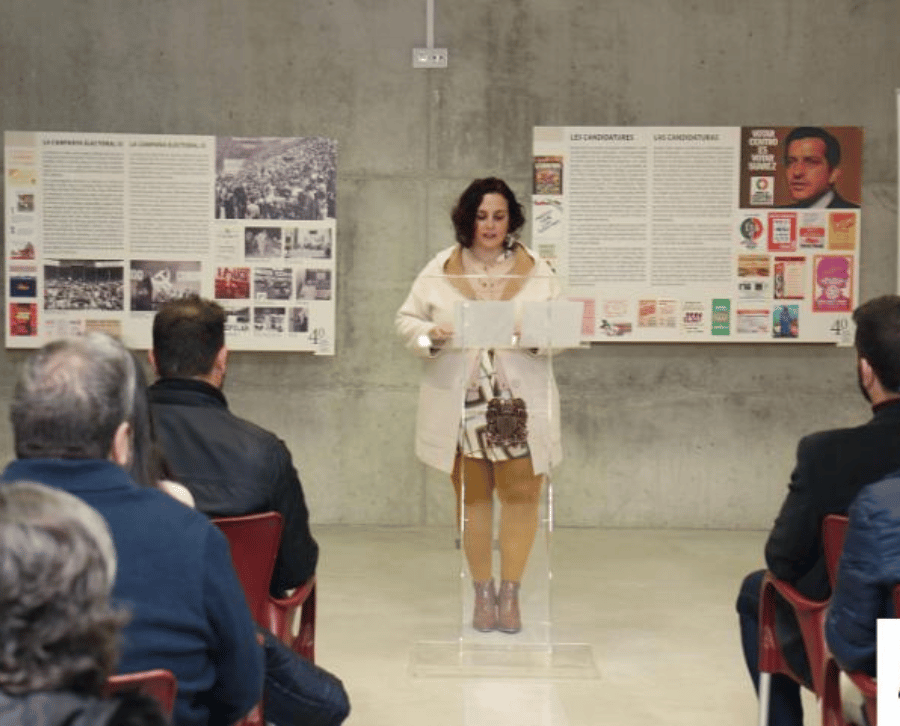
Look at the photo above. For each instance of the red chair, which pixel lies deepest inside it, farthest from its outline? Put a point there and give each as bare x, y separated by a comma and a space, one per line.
282, 613
834, 528
159, 684
254, 539
832, 707
810, 615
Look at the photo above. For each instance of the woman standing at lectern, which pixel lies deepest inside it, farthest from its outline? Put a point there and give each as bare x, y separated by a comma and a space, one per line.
487, 417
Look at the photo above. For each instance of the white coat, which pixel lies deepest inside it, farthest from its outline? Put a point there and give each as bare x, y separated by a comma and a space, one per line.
529, 373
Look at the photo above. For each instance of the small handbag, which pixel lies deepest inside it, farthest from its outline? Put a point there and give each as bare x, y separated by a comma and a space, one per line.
507, 422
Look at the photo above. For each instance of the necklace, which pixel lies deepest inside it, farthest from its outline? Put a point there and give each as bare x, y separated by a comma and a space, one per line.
488, 278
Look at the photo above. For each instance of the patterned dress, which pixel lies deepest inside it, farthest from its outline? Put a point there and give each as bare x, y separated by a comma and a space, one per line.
485, 380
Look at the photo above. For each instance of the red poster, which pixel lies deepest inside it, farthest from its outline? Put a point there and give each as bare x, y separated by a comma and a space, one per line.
782, 231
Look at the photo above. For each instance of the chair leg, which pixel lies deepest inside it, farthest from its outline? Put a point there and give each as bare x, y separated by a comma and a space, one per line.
765, 682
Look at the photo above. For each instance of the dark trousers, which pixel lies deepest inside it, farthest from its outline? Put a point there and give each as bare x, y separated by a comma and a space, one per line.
298, 692
785, 707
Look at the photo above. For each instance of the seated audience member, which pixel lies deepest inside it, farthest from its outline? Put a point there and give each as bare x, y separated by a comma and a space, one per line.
59, 634
230, 465
73, 417
868, 570
297, 691
832, 467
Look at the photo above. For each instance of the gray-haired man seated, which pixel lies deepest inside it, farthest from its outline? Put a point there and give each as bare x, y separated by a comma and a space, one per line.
73, 414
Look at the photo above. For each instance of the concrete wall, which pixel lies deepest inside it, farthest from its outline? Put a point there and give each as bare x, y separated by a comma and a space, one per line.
664, 435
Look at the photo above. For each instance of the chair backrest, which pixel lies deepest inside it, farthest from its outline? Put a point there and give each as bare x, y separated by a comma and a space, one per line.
159, 684
254, 540
834, 527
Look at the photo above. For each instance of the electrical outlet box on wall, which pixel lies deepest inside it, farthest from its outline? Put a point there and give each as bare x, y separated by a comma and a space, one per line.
429, 57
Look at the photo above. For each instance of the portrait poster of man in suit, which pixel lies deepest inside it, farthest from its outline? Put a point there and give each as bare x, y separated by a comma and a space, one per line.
801, 167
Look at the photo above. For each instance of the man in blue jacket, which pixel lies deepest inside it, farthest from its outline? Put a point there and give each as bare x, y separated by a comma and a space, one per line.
868, 572
72, 416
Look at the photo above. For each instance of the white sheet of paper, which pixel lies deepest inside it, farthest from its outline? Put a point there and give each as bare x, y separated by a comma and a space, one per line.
552, 324
485, 324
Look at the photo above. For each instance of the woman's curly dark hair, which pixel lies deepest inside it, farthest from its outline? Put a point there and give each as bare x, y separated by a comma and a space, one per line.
466, 209
57, 630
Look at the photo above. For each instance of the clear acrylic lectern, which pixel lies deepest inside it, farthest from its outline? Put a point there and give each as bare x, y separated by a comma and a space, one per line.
510, 330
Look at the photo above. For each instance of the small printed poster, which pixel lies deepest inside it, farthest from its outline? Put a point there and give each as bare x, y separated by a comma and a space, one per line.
548, 175
23, 286
23, 319
752, 229
721, 317
786, 321
782, 231
753, 266
615, 321
548, 218
693, 320
812, 230
842, 231
790, 278
588, 317
754, 289
647, 314
833, 283
667, 313
752, 321
658, 314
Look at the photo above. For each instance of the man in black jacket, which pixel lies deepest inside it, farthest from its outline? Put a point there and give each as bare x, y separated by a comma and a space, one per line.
832, 467
230, 465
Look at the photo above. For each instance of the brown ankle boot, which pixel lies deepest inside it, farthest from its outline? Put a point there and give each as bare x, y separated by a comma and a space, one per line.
508, 618
484, 619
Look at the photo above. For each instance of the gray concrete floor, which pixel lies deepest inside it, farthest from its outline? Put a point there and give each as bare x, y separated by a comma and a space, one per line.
655, 607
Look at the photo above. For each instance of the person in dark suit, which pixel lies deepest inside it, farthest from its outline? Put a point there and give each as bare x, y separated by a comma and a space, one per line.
832, 467
812, 160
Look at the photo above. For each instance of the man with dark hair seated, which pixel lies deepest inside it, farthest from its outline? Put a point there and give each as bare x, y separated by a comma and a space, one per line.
59, 634
73, 416
832, 467
231, 466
